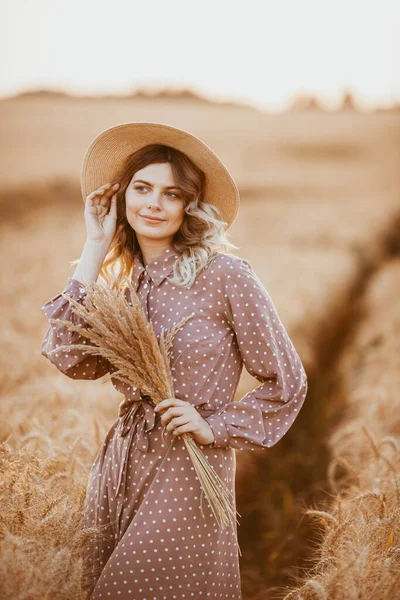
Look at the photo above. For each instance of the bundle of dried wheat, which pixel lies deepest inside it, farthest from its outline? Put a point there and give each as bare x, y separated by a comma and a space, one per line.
122, 334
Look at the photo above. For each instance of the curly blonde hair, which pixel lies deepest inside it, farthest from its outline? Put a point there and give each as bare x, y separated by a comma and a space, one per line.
201, 235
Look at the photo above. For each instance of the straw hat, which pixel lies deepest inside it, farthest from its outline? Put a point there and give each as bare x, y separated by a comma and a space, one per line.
112, 146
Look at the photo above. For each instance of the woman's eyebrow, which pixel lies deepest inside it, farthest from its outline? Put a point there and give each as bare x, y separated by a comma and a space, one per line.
168, 187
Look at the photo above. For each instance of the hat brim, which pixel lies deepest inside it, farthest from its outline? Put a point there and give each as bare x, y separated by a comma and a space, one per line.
106, 153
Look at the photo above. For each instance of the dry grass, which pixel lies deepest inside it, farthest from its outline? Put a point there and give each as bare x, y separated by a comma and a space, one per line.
308, 224
359, 552
41, 541
119, 331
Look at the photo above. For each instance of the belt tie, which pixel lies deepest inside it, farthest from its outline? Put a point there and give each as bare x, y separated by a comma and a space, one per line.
141, 419
141, 416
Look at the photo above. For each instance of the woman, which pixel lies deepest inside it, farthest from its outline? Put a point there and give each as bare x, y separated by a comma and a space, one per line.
158, 205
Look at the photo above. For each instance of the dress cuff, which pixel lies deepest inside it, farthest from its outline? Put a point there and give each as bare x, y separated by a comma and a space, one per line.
74, 289
216, 422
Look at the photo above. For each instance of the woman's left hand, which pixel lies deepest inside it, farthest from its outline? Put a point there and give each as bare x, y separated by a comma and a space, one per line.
182, 417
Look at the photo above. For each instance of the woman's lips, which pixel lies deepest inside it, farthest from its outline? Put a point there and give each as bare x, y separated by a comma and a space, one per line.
150, 220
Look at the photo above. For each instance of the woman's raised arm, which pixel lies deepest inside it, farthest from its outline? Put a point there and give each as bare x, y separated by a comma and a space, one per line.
100, 217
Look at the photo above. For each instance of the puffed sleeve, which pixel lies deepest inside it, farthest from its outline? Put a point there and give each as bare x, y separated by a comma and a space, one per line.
266, 413
76, 365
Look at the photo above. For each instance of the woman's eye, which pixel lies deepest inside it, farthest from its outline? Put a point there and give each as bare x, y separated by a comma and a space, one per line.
142, 187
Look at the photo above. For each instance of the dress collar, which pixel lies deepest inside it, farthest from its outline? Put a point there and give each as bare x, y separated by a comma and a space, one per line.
158, 269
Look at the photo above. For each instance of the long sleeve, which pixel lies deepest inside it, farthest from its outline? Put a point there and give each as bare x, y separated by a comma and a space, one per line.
265, 414
76, 365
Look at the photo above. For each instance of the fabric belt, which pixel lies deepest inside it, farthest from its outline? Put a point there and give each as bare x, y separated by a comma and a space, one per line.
139, 415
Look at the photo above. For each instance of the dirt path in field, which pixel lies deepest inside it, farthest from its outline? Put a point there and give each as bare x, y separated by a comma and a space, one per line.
274, 488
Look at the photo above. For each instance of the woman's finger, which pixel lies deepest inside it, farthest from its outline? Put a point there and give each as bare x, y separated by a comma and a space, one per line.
99, 190
113, 207
186, 428
93, 195
103, 193
176, 422
171, 412
108, 193
170, 402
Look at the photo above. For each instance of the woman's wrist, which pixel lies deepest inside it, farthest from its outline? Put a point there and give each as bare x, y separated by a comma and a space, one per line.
98, 245
92, 257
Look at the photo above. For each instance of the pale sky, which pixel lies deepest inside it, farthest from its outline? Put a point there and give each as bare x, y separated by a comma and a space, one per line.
263, 52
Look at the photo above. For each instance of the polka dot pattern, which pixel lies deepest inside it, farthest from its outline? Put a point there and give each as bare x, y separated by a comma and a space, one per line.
160, 537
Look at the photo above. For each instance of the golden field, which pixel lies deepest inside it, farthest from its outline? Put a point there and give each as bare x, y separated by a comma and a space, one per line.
320, 223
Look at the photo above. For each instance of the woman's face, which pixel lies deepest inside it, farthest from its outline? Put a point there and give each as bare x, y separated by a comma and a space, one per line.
152, 192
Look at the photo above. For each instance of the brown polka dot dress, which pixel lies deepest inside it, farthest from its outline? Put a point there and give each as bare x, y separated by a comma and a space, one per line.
159, 539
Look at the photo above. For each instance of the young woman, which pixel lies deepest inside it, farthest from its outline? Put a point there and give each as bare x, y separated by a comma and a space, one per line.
158, 203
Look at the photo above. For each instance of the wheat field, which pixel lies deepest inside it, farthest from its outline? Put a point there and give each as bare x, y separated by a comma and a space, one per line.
320, 223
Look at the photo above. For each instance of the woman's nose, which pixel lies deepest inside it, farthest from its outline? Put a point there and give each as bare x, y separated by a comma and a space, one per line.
155, 200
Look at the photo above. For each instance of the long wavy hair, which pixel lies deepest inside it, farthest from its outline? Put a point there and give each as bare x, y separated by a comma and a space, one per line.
201, 235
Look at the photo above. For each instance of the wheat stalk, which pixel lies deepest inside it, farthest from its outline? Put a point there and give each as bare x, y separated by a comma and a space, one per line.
122, 334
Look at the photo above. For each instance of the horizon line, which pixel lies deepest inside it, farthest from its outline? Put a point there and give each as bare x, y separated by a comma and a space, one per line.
300, 100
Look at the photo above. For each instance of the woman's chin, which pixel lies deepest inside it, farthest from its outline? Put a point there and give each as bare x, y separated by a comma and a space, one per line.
151, 235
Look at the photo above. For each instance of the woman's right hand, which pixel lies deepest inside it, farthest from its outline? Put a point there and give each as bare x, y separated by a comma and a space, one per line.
101, 213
